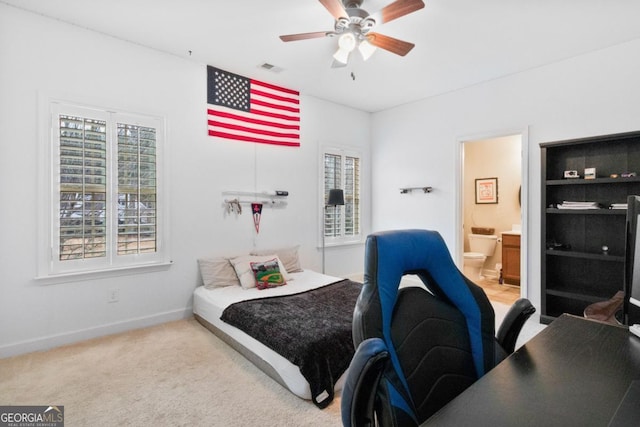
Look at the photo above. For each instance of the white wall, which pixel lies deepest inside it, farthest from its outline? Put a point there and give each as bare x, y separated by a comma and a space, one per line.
39, 56
416, 144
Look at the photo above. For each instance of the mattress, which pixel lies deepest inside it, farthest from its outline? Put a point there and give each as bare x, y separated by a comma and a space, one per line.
208, 305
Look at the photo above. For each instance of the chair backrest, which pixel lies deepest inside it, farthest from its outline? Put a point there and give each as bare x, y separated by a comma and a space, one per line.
439, 339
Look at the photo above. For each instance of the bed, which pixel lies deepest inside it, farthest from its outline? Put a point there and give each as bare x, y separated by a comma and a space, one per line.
318, 373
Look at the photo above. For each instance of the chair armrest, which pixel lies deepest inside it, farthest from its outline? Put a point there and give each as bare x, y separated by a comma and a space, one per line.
361, 385
512, 324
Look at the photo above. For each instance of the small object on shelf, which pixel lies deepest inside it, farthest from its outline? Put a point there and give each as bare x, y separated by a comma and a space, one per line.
590, 173
613, 175
628, 174
605, 311
605, 250
558, 246
618, 206
282, 193
578, 205
233, 206
571, 174
256, 208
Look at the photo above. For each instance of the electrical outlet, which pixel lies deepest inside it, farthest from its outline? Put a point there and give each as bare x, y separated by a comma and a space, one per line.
114, 295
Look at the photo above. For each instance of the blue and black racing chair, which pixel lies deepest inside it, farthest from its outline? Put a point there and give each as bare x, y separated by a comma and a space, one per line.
417, 348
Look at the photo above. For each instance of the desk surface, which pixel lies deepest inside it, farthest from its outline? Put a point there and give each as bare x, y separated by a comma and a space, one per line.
573, 373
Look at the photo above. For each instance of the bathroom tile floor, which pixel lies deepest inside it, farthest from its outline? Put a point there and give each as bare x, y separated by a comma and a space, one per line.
505, 294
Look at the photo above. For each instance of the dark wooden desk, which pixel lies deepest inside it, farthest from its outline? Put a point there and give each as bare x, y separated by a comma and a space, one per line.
574, 373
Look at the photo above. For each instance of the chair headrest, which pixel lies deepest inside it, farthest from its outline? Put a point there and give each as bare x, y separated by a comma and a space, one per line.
390, 255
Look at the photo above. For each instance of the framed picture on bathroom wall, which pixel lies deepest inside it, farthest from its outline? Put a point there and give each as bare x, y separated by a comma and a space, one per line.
486, 190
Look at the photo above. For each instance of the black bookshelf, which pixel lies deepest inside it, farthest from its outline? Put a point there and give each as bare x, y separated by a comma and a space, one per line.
576, 270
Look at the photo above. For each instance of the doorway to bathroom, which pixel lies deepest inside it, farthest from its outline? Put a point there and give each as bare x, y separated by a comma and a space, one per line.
491, 204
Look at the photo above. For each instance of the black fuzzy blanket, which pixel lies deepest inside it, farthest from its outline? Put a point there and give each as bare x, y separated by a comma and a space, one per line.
311, 329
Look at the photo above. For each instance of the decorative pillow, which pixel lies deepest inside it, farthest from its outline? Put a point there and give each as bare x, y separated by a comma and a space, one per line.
217, 272
242, 265
288, 256
267, 274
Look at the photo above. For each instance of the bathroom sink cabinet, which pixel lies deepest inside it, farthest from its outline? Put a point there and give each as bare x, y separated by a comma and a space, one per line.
511, 258
582, 258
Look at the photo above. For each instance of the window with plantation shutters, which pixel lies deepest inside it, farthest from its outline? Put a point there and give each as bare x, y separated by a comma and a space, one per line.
83, 187
136, 189
342, 170
105, 190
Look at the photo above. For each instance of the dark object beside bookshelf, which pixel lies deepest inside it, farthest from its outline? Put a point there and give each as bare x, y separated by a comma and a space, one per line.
583, 249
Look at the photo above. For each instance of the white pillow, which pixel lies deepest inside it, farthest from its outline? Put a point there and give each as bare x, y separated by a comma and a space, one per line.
288, 256
217, 272
242, 266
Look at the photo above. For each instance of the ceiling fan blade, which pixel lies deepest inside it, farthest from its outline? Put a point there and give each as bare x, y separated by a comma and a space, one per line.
399, 47
304, 36
335, 8
397, 9
337, 64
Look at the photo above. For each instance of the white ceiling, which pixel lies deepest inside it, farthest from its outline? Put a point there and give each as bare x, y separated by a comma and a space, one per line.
459, 43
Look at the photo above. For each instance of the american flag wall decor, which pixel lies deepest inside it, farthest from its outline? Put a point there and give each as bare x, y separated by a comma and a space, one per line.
244, 109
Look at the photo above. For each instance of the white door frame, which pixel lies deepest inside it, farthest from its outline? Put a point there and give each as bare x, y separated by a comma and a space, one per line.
524, 207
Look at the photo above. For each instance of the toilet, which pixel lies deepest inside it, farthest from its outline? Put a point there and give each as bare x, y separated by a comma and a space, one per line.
481, 246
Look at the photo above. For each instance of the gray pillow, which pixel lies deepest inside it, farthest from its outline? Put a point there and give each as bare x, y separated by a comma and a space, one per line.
217, 272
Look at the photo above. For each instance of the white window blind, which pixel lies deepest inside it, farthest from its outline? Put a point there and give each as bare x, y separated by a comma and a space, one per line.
136, 189
106, 190
352, 196
83, 187
342, 170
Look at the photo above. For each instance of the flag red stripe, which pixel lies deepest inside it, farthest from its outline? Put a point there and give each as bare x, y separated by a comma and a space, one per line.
250, 120
274, 115
276, 106
244, 109
274, 96
270, 86
251, 139
253, 130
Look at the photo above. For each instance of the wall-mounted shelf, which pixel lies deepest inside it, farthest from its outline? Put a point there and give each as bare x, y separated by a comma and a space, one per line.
406, 190
275, 199
271, 194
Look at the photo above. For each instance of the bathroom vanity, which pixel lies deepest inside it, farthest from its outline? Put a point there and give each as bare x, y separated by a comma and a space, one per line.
511, 257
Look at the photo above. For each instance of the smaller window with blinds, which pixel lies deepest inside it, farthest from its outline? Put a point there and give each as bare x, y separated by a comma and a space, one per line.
136, 189
105, 184
341, 169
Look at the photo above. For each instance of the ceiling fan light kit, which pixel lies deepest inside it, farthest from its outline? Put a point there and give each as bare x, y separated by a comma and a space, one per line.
353, 25
366, 49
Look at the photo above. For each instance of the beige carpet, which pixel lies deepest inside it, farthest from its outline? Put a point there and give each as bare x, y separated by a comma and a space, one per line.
176, 374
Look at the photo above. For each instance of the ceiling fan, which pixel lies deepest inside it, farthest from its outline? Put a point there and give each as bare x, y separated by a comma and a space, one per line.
354, 27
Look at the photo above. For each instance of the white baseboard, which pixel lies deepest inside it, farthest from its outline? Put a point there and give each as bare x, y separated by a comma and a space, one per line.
356, 277
52, 341
493, 274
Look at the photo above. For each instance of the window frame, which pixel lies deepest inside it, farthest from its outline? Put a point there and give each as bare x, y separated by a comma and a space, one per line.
50, 268
341, 239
